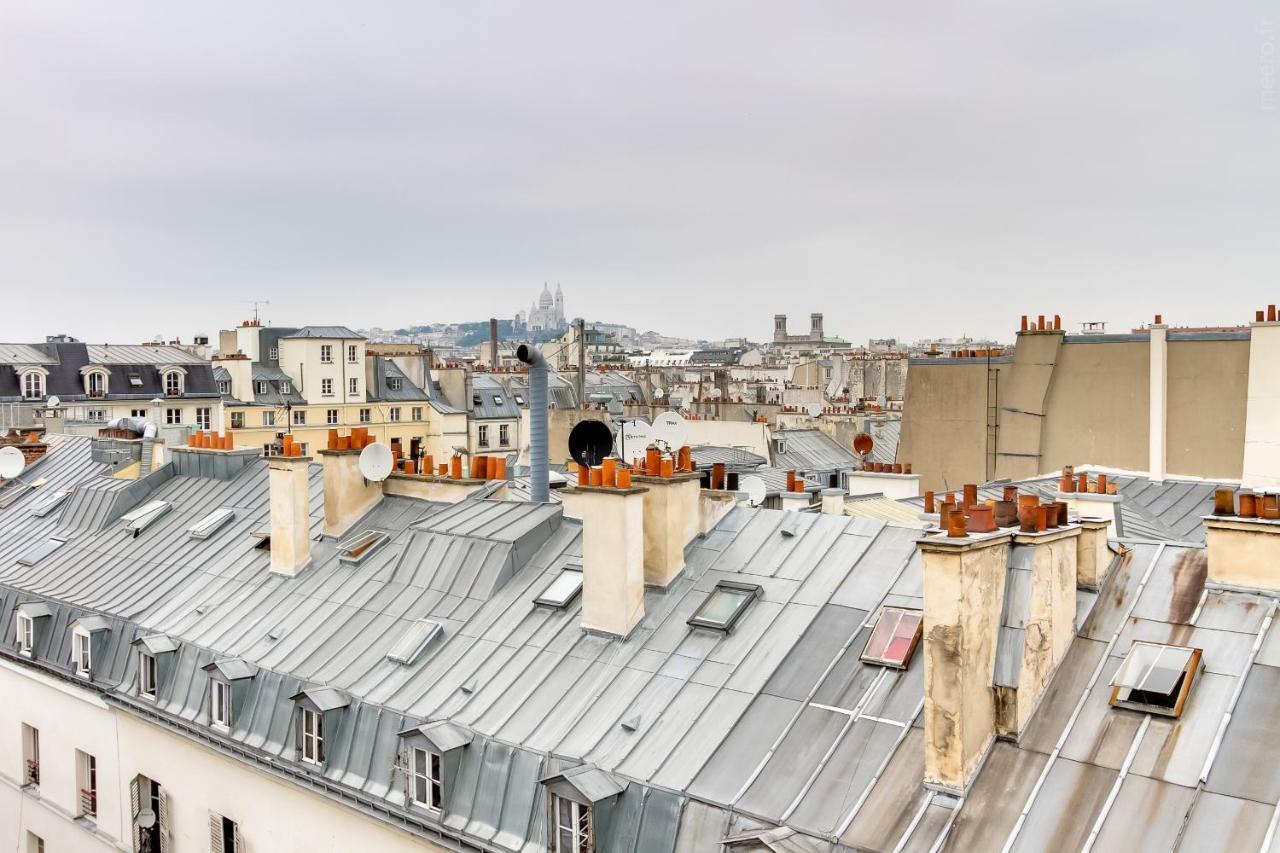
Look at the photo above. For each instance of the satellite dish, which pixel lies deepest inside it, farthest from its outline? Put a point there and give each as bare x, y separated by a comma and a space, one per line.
634, 437
11, 462
376, 462
755, 489
590, 443
862, 444
670, 429
658, 393
814, 409
146, 819
54, 402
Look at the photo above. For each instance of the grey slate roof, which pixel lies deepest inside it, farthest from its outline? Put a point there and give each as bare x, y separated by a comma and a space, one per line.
811, 451
735, 458
776, 723
326, 332
380, 390
490, 400
885, 433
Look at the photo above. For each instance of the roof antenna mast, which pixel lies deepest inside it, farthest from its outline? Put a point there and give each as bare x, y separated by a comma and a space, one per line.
255, 303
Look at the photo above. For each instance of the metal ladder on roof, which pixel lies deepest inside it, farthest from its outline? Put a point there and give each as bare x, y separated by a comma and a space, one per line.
147, 450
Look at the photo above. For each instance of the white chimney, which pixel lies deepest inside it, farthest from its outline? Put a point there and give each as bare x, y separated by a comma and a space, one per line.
672, 518
347, 494
287, 479
613, 571
1262, 412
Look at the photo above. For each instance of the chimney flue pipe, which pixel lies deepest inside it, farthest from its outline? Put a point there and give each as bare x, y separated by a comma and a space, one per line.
538, 451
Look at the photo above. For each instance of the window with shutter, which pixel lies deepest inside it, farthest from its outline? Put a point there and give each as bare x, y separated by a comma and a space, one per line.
216, 838
163, 819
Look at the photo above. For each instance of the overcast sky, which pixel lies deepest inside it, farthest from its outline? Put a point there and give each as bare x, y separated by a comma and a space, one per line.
910, 169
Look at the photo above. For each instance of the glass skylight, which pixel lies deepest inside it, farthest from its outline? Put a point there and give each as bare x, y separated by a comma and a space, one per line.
142, 517
414, 641
894, 638
211, 523
724, 606
49, 503
561, 591
360, 547
40, 551
1155, 678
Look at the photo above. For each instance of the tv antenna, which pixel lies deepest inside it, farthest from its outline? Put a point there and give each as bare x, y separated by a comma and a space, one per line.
255, 303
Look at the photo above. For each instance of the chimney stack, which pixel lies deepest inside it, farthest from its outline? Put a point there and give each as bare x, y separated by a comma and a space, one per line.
672, 515
1244, 552
493, 343
347, 494
287, 480
613, 557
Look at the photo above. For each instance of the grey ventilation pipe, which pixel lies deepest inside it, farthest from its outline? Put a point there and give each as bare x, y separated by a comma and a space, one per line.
538, 452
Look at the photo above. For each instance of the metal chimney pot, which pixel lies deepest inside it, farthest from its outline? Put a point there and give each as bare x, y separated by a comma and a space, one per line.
538, 453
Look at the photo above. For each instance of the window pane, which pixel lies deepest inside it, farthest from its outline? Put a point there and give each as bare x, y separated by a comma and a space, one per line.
721, 605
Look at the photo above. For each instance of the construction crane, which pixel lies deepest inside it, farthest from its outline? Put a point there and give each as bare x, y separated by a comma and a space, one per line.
255, 303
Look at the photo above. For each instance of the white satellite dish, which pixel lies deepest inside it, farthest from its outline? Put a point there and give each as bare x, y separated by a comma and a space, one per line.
11, 462
54, 402
814, 409
658, 393
634, 438
376, 462
146, 818
755, 489
670, 429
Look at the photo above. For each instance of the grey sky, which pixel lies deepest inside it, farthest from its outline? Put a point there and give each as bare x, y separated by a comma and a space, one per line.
909, 169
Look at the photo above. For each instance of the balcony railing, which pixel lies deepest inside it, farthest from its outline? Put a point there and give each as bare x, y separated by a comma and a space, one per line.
33, 772
88, 803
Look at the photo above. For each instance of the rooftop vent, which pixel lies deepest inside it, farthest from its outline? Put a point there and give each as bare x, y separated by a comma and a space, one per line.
1155, 678
144, 516
894, 638
360, 547
561, 591
414, 641
211, 523
724, 606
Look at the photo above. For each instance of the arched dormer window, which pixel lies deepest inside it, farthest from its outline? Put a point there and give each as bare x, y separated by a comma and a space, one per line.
173, 379
95, 381
32, 381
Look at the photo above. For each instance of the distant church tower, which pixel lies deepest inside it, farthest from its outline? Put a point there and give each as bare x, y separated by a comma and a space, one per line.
547, 313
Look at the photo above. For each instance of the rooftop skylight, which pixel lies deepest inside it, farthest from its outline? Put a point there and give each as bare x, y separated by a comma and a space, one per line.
1155, 678
211, 523
49, 503
141, 518
40, 551
724, 606
561, 591
360, 547
894, 638
414, 641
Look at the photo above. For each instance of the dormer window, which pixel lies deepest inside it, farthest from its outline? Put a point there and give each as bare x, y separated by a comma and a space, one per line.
273, 354
146, 675
259, 387
425, 748
574, 829
223, 675
779, 445
312, 736
286, 387
224, 387
26, 631
173, 383
315, 704
81, 652
33, 385
427, 770
1155, 679
95, 382
579, 798
220, 704
394, 383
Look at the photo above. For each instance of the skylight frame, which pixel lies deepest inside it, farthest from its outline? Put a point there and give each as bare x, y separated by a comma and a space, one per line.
744, 592
45, 505
211, 523
354, 550
902, 628
40, 550
144, 516
1135, 676
563, 590
413, 641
